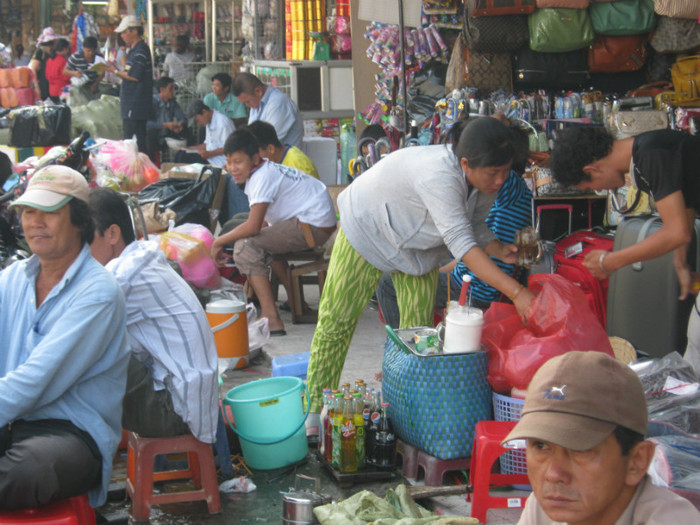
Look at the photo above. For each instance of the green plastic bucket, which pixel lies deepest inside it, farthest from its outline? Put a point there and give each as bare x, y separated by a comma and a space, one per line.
269, 420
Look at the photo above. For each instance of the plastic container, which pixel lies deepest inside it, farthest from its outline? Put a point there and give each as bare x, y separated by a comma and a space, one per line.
295, 365
508, 409
228, 321
463, 327
270, 421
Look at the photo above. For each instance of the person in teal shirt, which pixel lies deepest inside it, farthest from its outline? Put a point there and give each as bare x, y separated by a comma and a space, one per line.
222, 100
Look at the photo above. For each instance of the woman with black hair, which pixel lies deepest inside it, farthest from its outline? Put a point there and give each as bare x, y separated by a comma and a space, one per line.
405, 216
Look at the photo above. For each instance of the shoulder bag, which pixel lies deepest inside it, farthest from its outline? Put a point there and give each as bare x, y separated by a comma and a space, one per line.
559, 30
675, 35
678, 8
624, 17
494, 34
685, 75
609, 54
500, 7
551, 70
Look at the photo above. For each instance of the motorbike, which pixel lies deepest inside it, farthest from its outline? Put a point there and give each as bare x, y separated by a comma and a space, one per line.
13, 247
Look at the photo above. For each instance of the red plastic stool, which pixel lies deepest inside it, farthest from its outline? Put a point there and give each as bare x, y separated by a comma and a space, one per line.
409, 459
436, 468
71, 511
487, 449
140, 475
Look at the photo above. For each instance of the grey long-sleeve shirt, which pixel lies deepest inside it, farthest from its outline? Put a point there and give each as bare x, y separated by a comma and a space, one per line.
406, 212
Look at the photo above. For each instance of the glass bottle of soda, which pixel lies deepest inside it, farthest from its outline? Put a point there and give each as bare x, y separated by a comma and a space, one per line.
324, 418
385, 442
328, 426
348, 439
372, 426
336, 451
359, 420
345, 388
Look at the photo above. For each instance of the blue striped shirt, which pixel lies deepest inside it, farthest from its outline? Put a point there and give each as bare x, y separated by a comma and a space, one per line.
510, 212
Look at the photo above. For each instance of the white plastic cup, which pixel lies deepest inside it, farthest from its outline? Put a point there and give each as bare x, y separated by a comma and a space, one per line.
462, 329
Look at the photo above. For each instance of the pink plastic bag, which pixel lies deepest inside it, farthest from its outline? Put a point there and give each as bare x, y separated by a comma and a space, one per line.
560, 321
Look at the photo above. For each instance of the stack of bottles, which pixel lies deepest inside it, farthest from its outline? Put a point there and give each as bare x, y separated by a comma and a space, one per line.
356, 430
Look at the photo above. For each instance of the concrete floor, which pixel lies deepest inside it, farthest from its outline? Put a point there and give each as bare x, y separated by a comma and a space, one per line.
364, 361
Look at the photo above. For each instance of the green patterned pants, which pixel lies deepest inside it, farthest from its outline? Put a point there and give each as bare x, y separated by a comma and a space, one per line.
350, 283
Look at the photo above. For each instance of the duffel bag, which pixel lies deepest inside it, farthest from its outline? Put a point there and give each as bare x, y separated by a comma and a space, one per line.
551, 70
609, 54
559, 30
624, 17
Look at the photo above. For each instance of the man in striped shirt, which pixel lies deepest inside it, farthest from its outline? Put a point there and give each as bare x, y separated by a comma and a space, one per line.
172, 384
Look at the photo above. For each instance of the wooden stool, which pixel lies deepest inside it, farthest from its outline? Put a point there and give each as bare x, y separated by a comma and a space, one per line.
140, 475
312, 271
71, 511
487, 449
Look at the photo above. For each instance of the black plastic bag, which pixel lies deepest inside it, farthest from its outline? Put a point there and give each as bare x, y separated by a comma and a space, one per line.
40, 126
189, 199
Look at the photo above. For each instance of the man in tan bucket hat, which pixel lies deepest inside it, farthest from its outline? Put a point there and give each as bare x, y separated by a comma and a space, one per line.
584, 419
64, 352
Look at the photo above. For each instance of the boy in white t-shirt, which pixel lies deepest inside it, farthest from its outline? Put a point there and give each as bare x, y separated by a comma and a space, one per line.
289, 211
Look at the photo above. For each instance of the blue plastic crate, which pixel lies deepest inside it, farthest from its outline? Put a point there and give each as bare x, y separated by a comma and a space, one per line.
295, 365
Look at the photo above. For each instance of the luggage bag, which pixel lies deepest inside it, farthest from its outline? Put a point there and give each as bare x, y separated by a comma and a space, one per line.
643, 305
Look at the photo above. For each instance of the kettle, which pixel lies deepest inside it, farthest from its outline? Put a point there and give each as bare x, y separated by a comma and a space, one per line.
298, 505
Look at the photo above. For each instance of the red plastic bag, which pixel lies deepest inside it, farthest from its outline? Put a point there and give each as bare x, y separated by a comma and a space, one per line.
560, 320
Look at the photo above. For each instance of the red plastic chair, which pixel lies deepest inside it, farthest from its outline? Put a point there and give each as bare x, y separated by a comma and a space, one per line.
140, 476
487, 449
71, 511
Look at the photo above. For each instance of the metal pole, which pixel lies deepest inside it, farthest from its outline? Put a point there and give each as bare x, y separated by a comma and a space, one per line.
404, 88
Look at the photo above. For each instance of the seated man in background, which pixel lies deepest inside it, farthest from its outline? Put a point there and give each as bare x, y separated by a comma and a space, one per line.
584, 419
64, 355
80, 65
221, 100
172, 385
218, 128
271, 148
271, 105
167, 119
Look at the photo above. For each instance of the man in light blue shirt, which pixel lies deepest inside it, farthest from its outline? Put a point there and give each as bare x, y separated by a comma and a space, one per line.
271, 105
64, 358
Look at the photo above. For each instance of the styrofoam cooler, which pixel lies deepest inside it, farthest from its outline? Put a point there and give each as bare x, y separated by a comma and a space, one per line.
323, 151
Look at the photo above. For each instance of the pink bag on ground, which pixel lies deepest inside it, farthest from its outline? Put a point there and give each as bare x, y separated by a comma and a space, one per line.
560, 321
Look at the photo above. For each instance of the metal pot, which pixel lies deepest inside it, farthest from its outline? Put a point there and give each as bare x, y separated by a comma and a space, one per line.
298, 505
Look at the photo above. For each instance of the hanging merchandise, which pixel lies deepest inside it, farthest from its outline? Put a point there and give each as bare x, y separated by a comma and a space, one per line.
559, 30
501, 7
623, 17
443, 13
421, 45
570, 4
675, 35
551, 70
493, 34
685, 75
609, 54
488, 71
678, 8
84, 25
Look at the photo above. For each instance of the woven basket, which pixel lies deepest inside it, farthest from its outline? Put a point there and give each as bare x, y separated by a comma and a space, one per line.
435, 401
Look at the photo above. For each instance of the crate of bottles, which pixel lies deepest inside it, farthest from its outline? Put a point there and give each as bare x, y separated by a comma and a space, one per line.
357, 439
435, 401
